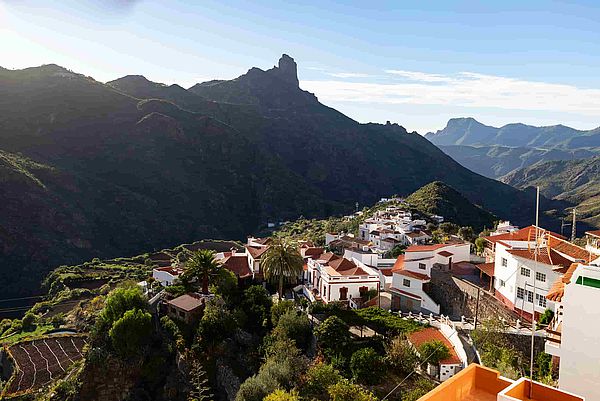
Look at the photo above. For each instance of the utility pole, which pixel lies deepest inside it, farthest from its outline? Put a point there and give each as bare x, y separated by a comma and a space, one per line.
573, 228
476, 310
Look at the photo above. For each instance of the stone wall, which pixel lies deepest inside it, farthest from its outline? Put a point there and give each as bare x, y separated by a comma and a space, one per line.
458, 298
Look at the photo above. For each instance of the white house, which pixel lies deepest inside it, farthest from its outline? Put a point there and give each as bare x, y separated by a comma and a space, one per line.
167, 276
573, 334
522, 277
450, 366
593, 242
332, 278
255, 248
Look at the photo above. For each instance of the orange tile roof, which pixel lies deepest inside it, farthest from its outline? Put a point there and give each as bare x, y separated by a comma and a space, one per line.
255, 251
346, 267
557, 291
328, 257
409, 273
238, 264
425, 248
399, 264
549, 257
428, 334
572, 250
594, 233
524, 234
487, 268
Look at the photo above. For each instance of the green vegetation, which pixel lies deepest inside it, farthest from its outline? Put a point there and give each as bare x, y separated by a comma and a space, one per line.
281, 262
433, 352
401, 355
202, 267
130, 333
443, 200
367, 366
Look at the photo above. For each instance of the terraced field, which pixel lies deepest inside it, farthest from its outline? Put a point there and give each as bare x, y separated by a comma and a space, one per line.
38, 362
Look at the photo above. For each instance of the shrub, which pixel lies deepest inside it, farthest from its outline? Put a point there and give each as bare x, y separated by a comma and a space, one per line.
421, 387
257, 305
57, 320
546, 318
401, 355
281, 395
345, 390
280, 308
29, 321
433, 352
131, 333
217, 322
320, 377
296, 326
332, 334
366, 366
120, 301
5, 325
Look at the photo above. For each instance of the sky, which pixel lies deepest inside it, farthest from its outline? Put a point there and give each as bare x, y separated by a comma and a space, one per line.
417, 63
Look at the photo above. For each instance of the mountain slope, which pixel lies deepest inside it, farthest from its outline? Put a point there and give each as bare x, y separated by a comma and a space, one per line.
575, 181
494, 152
496, 161
438, 198
141, 165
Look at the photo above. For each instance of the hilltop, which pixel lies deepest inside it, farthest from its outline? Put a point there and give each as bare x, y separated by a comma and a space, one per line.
443, 200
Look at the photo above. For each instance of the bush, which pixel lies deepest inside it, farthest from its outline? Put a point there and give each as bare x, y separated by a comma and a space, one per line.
280, 308
421, 387
29, 321
333, 334
281, 395
344, 390
401, 355
295, 326
433, 352
120, 301
131, 333
545, 318
257, 305
366, 366
217, 322
320, 377
5, 324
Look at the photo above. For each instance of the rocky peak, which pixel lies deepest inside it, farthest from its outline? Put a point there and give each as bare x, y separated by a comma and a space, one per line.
287, 70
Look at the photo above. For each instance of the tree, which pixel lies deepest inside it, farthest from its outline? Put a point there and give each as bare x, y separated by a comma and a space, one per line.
401, 355
345, 390
397, 250
366, 366
281, 262
225, 284
466, 233
281, 308
295, 326
449, 228
433, 352
203, 266
421, 387
333, 333
131, 333
282, 395
257, 304
120, 301
480, 245
217, 322
29, 321
320, 377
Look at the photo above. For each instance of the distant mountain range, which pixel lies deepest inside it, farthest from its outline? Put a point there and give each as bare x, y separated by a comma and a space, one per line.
574, 181
97, 170
494, 152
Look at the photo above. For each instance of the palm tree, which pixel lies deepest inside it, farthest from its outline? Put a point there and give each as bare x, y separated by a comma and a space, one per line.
281, 261
203, 266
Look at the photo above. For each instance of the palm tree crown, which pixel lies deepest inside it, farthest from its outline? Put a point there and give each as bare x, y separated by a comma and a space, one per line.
281, 261
203, 266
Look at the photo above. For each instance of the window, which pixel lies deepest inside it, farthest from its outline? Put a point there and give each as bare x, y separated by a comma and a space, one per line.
540, 277
343, 293
502, 283
504, 262
525, 272
406, 283
422, 266
540, 300
530, 296
520, 293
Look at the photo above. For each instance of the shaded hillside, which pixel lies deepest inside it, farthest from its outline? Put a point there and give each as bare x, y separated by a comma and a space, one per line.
576, 181
496, 161
135, 165
438, 198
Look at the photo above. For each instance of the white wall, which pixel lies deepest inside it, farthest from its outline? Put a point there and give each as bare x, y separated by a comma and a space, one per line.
580, 345
163, 277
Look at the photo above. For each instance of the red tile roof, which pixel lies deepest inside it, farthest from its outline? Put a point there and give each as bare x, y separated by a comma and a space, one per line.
238, 264
346, 267
524, 234
387, 272
311, 251
328, 257
425, 248
187, 302
548, 257
399, 264
409, 294
409, 273
256, 251
428, 334
569, 249
487, 268
557, 290
594, 233
445, 254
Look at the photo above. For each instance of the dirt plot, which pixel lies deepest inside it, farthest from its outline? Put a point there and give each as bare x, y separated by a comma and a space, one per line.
39, 362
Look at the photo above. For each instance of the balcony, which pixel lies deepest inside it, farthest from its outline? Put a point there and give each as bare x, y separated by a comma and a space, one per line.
553, 337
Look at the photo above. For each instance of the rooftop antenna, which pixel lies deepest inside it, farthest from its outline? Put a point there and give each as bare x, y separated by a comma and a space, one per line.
573, 225
535, 254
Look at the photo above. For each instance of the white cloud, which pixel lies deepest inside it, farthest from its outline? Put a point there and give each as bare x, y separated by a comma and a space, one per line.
348, 75
465, 89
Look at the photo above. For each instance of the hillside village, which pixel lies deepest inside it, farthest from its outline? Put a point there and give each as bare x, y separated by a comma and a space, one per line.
401, 296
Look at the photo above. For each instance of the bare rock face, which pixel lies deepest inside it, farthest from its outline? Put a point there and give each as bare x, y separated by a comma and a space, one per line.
287, 70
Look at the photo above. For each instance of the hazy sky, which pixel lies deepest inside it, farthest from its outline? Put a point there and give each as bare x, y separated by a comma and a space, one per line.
416, 63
